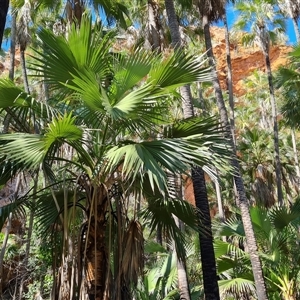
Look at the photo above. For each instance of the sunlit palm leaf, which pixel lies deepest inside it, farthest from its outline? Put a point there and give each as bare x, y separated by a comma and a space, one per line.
129, 71
177, 70
26, 149
31, 149
65, 59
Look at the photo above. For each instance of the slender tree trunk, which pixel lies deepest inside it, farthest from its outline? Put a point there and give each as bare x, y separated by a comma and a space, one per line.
211, 290
155, 42
219, 200
208, 262
230, 90
297, 33
275, 130
3, 248
242, 199
4, 4
294, 19
154, 26
12, 52
295, 153
183, 285
24, 71
296, 28
29, 234
229, 78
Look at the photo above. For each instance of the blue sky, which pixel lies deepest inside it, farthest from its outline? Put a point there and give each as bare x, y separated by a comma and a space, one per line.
232, 16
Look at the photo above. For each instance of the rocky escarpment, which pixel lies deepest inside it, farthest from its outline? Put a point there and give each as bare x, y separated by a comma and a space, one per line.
245, 60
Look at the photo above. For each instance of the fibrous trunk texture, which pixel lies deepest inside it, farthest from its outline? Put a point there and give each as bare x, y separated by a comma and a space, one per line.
242, 199
208, 260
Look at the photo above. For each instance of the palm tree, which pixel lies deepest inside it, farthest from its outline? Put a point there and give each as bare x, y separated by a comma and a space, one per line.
4, 4
107, 108
259, 15
210, 280
287, 79
209, 12
291, 8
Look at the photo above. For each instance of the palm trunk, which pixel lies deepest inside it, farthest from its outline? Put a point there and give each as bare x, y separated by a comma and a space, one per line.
242, 198
153, 24
219, 201
156, 45
181, 272
3, 248
210, 279
29, 234
296, 28
95, 252
12, 51
24, 71
297, 33
275, 130
229, 78
294, 19
4, 4
295, 153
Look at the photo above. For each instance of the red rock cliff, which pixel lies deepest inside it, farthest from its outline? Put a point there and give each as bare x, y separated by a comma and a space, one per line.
244, 60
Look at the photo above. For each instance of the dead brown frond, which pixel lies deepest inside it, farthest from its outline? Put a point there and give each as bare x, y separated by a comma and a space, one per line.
133, 257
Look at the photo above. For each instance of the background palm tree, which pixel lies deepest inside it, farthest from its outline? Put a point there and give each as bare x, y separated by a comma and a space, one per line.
210, 280
259, 15
209, 12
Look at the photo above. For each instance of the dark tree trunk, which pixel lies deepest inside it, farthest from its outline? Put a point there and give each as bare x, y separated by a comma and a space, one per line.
242, 199
4, 4
211, 288
208, 260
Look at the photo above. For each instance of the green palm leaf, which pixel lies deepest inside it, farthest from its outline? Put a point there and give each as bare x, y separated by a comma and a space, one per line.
178, 69
85, 49
30, 150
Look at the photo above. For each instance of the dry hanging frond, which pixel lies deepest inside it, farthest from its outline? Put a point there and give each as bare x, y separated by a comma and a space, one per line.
133, 255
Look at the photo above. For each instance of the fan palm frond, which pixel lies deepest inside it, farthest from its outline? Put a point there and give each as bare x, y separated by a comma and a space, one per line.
237, 286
